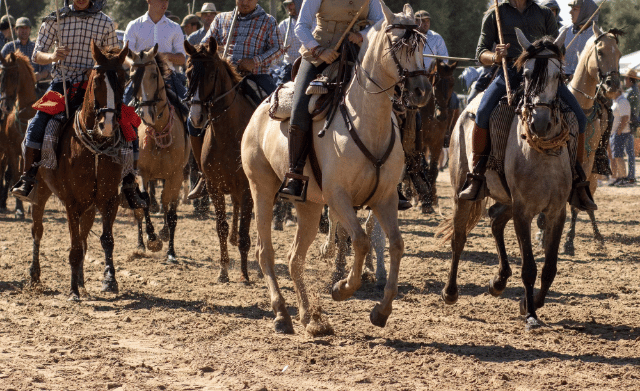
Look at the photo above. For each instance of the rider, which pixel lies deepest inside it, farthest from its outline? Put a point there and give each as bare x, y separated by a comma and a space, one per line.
581, 11
554, 7
80, 23
190, 24
292, 46
6, 23
206, 15
435, 44
26, 47
535, 22
317, 53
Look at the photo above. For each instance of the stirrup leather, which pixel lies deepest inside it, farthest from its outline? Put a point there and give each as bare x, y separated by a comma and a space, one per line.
290, 197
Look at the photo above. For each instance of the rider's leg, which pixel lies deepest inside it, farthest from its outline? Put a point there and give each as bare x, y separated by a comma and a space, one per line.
197, 139
300, 128
129, 184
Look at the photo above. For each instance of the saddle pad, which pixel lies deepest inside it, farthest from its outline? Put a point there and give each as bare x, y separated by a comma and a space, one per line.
281, 104
499, 127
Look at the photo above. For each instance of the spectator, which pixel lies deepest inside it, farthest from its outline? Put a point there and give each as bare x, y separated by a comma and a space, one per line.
26, 47
190, 24
206, 15
435, 43
6, 23
619, 136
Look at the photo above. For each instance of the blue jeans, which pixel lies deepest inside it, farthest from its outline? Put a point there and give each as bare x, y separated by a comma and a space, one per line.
631, 155
497, 89
264, 81
622, 144
37, 126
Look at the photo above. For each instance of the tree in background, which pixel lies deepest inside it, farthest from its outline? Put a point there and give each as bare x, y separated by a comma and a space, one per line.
623, 14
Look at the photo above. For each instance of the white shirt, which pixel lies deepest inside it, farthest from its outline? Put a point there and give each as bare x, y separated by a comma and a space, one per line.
620, 108
143, 34
435, 45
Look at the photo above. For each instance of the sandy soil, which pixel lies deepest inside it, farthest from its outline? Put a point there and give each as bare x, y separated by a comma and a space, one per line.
172, 327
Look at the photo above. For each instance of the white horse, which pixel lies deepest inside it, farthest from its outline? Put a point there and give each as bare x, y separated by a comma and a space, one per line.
349, 177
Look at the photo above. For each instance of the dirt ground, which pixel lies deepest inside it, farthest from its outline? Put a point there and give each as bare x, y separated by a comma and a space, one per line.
173, 327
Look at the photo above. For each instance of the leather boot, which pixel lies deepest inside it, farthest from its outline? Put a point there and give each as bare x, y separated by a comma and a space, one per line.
580, 196
299, 144
403, 202
200, 189
27, 181
131, 191
473, 189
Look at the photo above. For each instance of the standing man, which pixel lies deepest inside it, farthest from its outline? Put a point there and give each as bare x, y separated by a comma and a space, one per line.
190, 24
620, 134
292, 44
633, 96
435, 44
26, 47
206, 15
79, 24
6, 24
581, 11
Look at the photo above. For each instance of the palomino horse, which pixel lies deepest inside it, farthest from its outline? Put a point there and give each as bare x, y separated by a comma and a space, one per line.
85, 179
597, 74
17, 87
361, 164
436, 122
219, 105
537, 181
164, 145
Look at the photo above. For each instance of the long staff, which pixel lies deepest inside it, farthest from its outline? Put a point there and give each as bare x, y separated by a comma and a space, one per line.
353, 21
62, 68
286, 35
231, 31
584, 26
13, 39
449, 58
504, 59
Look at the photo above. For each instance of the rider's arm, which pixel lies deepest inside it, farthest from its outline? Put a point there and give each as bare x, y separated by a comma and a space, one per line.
305, 23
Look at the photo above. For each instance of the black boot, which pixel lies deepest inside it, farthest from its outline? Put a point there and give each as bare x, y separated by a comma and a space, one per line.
580, 196
22, 189
403, 202
474, 187
132, 193
294, 182
200, 189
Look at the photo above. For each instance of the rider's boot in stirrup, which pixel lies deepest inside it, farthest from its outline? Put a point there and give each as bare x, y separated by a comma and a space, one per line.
22, 189
200, 189
474, 186
131, 191
294, 184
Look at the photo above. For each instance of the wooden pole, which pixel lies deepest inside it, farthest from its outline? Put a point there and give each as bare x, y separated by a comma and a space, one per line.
62, 69
353, 21
504, 59
13, 39
231, 31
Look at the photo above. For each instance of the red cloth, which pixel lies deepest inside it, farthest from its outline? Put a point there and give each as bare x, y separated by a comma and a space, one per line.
129, 121
51, 103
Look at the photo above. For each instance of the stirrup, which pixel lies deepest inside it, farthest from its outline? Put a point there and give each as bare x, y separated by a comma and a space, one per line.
25, 180
290, 197
199, 190
480, 194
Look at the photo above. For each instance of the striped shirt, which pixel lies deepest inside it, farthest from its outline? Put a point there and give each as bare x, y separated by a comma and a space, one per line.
77, 34
293, 45
572, 55
27, 50
256, 36
435, 45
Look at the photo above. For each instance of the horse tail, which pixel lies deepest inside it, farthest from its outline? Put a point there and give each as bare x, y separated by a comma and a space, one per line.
444, 231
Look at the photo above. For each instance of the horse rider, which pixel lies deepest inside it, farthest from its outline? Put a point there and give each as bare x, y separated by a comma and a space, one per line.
435, 44
581, 11
317, 53
206, 15
292, 44
254, 46
190, 24
26, 47
535, 22
79, 24
6, 23
554, 7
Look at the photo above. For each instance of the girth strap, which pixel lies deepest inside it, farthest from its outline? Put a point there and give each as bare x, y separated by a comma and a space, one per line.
377, 163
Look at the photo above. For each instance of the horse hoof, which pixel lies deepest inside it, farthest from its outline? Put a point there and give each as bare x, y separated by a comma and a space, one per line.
319, 328
141, 247
377, 318
493, 290
338, 293
532, 323
260, 274
154, 244
223, 278
449, 298
233, 240
19, 215
74, 297
283, 325
427, 209
110, 286
83, 292
164, 234
381, 283
172, 259
569, 249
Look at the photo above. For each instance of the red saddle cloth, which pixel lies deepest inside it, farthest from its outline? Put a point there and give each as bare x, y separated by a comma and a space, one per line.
129, 122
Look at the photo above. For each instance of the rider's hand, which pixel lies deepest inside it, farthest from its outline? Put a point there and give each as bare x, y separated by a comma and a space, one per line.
246, 64
501, 51
328, 55
355, 38
60, 53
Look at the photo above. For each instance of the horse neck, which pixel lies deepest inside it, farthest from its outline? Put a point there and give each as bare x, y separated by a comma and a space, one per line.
164, 119
584, 81
87, 111
26, 90
235, 103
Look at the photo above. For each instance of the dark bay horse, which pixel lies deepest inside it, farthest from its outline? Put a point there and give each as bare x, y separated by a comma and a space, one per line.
86, 181
219, 105
18, 94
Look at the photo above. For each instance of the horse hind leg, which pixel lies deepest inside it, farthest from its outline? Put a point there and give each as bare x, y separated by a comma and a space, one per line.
86, 222
154, 243
243, 234
378, 242
108, 212
500, 215
569, 247
171, 217
233, 239
222, 227
596, 232
76, 253
139, 215
37, 229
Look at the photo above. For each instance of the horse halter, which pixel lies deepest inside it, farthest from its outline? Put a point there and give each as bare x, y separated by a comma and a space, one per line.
137, 84
602, 77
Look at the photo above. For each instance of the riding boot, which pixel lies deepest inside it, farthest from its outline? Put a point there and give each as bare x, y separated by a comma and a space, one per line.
200, 189
474, 186
131, 191
403, 202
24, 186
580, 196
299, 145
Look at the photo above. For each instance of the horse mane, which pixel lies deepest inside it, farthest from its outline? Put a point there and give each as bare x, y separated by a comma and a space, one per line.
24, 60
163, 64
616, 32
540, 69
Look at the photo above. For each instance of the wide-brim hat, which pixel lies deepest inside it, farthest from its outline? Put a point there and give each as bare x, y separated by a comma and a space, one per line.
632, 73
207, 8
23, 22
422, 14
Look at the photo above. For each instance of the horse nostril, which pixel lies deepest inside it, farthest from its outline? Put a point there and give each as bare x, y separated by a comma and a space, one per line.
419, 92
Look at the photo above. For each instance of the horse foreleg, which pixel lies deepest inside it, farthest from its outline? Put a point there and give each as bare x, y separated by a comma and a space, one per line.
154, 243
86, 222
522, 227
553, 235
461, 214
500, 215
338, 241
378, 242
278, 216
233, 239
243, 232
222, 227
368, 260
76, 253
432, 176
37, 229
108, 210
139, 215
171, 216
596, 232
569, 248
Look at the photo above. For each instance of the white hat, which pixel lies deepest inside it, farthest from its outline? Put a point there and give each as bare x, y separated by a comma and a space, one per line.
207, 8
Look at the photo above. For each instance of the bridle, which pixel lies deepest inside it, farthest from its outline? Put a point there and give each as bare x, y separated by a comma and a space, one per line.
444, 82
602, 77
111, 77
137, 80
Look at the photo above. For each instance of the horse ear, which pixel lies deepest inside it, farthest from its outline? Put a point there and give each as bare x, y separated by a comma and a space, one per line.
524, 42
407, 10
596, 30
559, 42
98, 57
388, 15
189, 48
453, 65
154, 51
123, 53
213, 45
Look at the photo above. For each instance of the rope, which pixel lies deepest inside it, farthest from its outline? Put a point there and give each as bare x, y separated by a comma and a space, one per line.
160, 137
112, 147
545, 145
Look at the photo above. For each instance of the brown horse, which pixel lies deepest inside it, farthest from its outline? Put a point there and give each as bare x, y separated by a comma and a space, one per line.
219, 105
86, 179
18, 94
436, 124
164, 146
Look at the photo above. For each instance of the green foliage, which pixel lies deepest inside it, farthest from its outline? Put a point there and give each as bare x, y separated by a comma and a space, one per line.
623, 14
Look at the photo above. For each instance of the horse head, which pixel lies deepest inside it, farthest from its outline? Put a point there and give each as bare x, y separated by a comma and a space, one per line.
9, 82
541, 65
105, 90
148, 83
397, 46
441, 78
604, 59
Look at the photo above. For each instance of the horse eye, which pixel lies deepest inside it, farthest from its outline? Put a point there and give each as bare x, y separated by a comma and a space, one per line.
600, 53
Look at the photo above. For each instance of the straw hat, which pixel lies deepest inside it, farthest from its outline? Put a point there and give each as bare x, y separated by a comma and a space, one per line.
632, 73
207, 8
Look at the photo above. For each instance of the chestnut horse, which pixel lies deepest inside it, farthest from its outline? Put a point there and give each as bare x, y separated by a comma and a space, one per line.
164, 146
219, 105
86, 180
18, 94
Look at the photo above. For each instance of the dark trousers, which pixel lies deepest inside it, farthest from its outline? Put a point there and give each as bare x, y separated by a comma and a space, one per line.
300, 112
